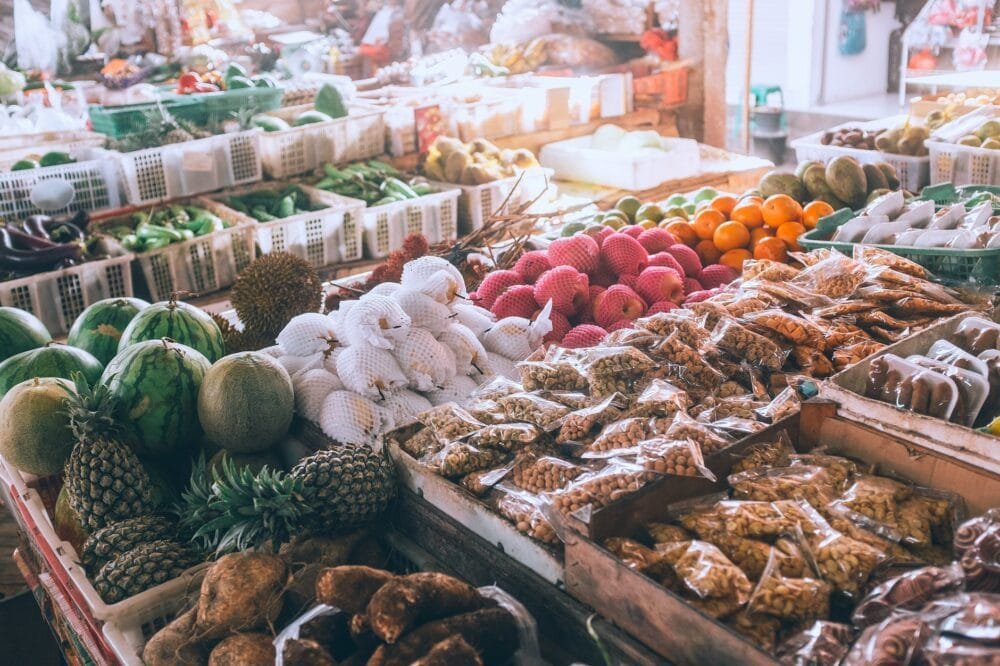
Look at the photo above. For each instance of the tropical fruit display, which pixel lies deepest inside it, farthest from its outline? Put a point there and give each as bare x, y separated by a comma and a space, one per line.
474, 163
52, 360
905, 139
99, 328
986, 135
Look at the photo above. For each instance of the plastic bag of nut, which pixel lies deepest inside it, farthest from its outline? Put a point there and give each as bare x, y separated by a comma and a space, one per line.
747, 304
422, 443
765, 269
792, 294
819, 644
532, 408
761, 630
569, 399
482, 482
537, 472
706, 571
795, 599
896, 640
575, 426
783, 405
523, 510
876, 256
749, 519
613, 369
618, 438
643, 340
752, 555
645, 560
812, 361
812, 484
743, 343
659, 399
551, 375
843, 562
836, 277
449, 422
673, 457
733, 426
686, 365
840, 470
934, 293
845, 357
664, 533
909, 591
763, 455
505, 436
683, 427
796, 330
594, 490
458, 459
740, 406
709, 312
681, 323
876, 497
495, 389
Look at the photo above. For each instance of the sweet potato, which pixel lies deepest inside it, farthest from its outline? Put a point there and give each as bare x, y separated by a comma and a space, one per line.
304, 652
331, 632
174, 645
243, 650
241, 592
406, 602
452, 651
350, 588
361, 633
491, 631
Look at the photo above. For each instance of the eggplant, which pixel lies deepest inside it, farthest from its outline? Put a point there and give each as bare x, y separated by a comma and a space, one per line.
35, 225
27, 241
12, 258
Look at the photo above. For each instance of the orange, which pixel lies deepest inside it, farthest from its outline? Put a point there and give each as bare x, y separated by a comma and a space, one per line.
771, 248
790, 232
730, 236
707, 252
781, 208
724, 203
749, 213
706, 222
759, 234
735, 258
683, 231
813, 211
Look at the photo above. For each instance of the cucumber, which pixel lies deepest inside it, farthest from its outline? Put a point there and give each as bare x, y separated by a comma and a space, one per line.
238, 82
55, 158
24, 165
309, 117
270, 123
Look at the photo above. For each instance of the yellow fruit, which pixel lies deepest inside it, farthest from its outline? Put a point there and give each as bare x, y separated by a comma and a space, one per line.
735, 258
780, 208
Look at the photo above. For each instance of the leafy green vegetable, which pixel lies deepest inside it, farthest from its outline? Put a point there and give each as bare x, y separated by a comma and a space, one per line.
329, 101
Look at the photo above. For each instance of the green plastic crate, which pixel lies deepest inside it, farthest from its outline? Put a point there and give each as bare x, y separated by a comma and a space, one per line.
216, 107
946, 194
981, 265
119, 122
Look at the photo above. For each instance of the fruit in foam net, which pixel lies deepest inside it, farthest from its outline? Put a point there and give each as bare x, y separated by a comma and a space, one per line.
560, 327
531, 265
658, 283
584, 335
656, 240
716, 275
494, 284
617, 303
687, 258
517, 301
667, 260
623, 255
581, 252
661, 306
565, 287
691, 285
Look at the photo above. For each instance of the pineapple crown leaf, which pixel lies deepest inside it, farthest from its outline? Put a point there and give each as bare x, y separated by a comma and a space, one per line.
93, 411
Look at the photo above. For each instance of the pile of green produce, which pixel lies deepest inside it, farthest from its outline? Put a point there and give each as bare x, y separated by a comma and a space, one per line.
265, 205
374, 182
159, 227
52, 158
986, 135
328, 105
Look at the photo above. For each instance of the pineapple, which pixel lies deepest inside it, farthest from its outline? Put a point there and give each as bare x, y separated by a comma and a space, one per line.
105, 481
339, 488
117, 539
141, 568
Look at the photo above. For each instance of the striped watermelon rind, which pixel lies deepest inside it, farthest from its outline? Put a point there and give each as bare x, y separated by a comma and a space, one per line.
157, 382
99, 328
52, 360
181, 322
20, 331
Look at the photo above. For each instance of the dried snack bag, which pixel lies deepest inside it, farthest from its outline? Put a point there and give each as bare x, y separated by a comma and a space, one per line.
762, 455
673, 457
752, 555
929, 514
645, 560
875, 256
619, 437
877, 497
894, 279
744, 344
765, 269
710, 312
660, 399
843, 562
458, 459
741, 407
449, 421
744, 306
641, 339
749, 519
687, 365
664, 533
796, 330
613, 369
552, 376
896, 640
505, 436
537, 473
422, 443
806, 482
845, 357
973, 616
840, 470
909, 591
683, 427
532, 408
577, 425
706, 572
795, 599
496, 388
977, 334
813, 361
761, 630
906, 385
969, 531
482, 482
948, 650
570, 399
682, 323
820, 644
597, 489
791, 293
523, 510
736, 427
952, 354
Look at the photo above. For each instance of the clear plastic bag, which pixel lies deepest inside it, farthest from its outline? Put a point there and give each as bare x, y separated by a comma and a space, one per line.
907, 386
660, 399
422, 443
458, 459
752, 555
796, 330
706, 572
450, 422
664, 533
795, 599
673, 457
836, 277
681, 323
683, 427
977, 334
536, 472
577, 425
618, 437
840, 470
687, 365
553, 376
946, 650
972, 616
822, 643
532, 408
908, 591
524, 511
763, 455
482, 482
750, 519
594, 490
973, 388
496, 388
969, 532
853, 354
743, 343
761, 630
952, 354
614, 369
841, 561
806, 482
505, 436
813, 361
645, 560
765, 269
875, 256
896, 640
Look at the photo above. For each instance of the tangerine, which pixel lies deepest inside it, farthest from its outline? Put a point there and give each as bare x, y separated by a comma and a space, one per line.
735, 258
813, 211
707, 252
748, 213
781, 208
730, 236
683, 231
759, 234
706, 222
771, 248
790, 232
724, 203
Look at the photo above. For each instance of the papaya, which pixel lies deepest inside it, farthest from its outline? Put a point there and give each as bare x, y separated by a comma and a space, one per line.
800, 170
779, 182
875, 178
847, 180
889, 172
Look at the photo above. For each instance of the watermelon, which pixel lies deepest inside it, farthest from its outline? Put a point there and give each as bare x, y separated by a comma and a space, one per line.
52, 360
99, 328
19, 332
157, 383
181, 322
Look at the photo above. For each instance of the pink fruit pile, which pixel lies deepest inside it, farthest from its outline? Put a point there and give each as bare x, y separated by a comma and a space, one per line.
599, 283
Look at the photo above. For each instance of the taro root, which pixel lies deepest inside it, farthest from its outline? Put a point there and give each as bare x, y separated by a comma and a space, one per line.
491, 631
349, 588
305, 652
241, 591
405, 602
243, 650
174, 645
452, 651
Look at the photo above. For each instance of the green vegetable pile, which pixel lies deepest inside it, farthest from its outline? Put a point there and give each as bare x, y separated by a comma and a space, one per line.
155, 229
374, 182
267, 205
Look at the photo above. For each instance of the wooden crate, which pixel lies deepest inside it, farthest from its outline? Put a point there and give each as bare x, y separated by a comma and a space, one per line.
661, 619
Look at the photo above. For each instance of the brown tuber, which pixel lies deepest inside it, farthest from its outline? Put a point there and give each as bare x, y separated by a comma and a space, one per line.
405, 602
241, 591
452, 651
243, 650
349, 588
173, 645
304, 652
492, 632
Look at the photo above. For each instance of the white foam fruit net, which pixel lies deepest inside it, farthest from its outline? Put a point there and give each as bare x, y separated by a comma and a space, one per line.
311, 389
457, 389
470, 355
404, 406
426, 363
473, 317
375, 320
423, 311
307, 334
503, 366
351, 419
369, 371
417, 274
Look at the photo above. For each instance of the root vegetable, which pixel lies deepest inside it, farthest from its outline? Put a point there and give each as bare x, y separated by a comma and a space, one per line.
361, 633
452, 651
405, 602
304, 652
243, 650
174, 645
241, 591
331, 632
350, 588
328, 551
491, 631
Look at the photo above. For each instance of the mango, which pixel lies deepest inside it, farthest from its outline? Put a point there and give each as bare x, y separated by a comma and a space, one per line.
778, 182
800, 170
847, 180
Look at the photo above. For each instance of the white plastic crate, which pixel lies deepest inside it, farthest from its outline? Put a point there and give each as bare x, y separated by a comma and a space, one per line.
913, 172
574, 159
302, 149
192, 167
41, 142
963, 165
323, 237
434, 215
94, 177
478, 202
58, 297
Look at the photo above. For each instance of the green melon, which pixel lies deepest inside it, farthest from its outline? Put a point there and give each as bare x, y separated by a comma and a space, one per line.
99, 328
157, 382
67, 523
20, 331
35, 436
52, 360
246, 402
183, 323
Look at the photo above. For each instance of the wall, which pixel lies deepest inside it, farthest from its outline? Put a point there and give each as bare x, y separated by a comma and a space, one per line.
862, 75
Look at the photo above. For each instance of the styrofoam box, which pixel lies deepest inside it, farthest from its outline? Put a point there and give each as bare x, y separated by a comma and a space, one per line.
323, 237
434, 215
193, 167
58, 297
297, 150
94, 177
478, 202
574, 159
913, 172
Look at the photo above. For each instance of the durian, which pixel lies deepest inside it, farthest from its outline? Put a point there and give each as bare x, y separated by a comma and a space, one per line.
236, 340
273, 289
